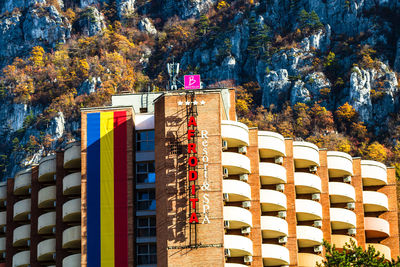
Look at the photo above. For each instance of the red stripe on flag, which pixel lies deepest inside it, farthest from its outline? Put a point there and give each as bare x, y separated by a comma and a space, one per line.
120, 190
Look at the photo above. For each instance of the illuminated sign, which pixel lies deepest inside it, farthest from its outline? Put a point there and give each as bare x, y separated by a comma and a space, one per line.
192, 82
192, 162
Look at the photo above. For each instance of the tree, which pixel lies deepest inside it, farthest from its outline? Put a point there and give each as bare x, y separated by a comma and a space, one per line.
353, 255
203, 25
376, 151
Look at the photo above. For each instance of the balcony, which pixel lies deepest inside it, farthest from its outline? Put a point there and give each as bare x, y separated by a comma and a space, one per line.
340, 240
275, 255
3, 193
375, 201
72, 261
237, 217
384, 250
47, 197
342, 219
72, 184
235, 133
271, 144
273, 227
308, 236
21, 259
3, 219
236, 163
308, 259
376, 227
47, 168
373, 173
21, 235
22, 209
339, 164
307, 183
271, 173
272, 200
72, 210
341, 192
22, 182
236, 190
305, 154
46, 222
72, 237
308, 210
72, 156
239, 246
2, 244
46, 249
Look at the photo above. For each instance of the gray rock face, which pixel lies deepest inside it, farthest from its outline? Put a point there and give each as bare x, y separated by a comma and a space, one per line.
38, 26
277, 87
125, 7
310, 89
10, 5
397, 58
373, 108
90, 22
145, 25
186, 8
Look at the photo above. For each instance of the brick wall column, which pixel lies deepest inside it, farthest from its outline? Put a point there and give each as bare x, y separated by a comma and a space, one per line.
290, 192
11, 225
60, 200
325, 202
35, 213
356, 181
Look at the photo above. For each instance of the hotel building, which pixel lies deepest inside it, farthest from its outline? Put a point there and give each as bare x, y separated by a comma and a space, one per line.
173, 179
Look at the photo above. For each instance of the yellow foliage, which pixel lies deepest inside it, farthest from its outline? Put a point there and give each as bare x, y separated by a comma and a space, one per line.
344, 146
346, 113
37, 56
376, 151
222, 4
83, 68
70, 14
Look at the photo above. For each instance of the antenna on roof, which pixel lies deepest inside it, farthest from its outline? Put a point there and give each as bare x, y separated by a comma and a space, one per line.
173, 71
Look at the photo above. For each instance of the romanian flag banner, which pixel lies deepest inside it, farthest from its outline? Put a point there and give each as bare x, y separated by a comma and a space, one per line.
107, 200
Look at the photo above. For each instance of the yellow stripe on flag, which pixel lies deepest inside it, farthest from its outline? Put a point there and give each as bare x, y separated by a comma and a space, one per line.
107, 188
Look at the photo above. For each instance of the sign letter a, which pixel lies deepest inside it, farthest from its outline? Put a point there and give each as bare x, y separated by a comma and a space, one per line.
192, 121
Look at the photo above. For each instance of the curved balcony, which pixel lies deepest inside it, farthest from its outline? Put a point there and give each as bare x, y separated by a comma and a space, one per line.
22, 209
375, 201
307, 183
271, 144
384, 250
308, 259
235, 133
339, 164
72, 156
308, 236
342, 218
72, 184
72, 210
45, 250
72, 261
3, 193
340, 240
239, 246
305, 154
22, 182
21, 259
72, 237
47, 168
272, 200
46, 222
2, 244
47, 196
373, 173
3, 219
237, 217
273, 227
236, 190
275, 255
236, 163
21, 235
271, 173
341, 192
376, 227
307, 210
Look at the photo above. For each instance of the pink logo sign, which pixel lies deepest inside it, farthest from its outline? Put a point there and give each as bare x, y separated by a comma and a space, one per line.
192, 82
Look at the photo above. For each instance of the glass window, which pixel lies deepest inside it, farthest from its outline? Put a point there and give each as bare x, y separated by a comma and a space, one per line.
146, 200
146, 253
145, 141
146, 226
145, 172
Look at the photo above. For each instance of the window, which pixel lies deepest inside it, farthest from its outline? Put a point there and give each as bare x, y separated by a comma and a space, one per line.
145, 172
145, 141
146, 253
146, 226
146, 200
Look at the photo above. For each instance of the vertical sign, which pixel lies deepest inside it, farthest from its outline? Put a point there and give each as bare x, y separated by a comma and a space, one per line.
192, 82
